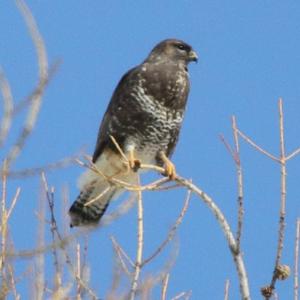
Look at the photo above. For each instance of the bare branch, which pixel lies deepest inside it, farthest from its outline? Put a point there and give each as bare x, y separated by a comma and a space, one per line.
214, 208
39, 266
183, 295
63, 241
38, 170
283, 185
62, 245
237, 256
122, 209
155, 185
4, 228
228, 147
167, 187
146, 285
165, 286
8, 106
53, 231
119, 148
13, 282
226, 291
78, 273
13, 203
258, 148
121, 253
296, 270
171, 232
239, 183
21, 105
293, 154
282, 213
140, 244
43, 79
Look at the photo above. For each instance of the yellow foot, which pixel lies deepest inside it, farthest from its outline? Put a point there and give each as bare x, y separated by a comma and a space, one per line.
170, 169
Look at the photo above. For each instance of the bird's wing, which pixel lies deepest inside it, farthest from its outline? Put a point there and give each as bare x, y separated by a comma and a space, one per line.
116, 115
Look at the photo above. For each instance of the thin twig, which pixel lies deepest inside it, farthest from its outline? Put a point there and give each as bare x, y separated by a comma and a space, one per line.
153, 168
84, 267
120, 254
226, 290
144, 291
42, 81
115, 282
165, 286
140, 244
53, 231
64, 241
282, 212
123, 184
239, 184
4, 282
228, 147
146, 285
122, 251
65, 204
119, 148
8, 106
171, 232
62, 244
17, 174
13, 282
221, 219
183, 295
258, 148
3, 222
37, 90
296, 271
156, 185
13, 203
122, 263
293, 154
39, 282
215, 210
121, 210
283, 184
78, 273
237, 256
167, 187
105, 191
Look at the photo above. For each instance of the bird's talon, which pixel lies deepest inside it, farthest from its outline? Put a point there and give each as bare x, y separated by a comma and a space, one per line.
170, 170
134, 164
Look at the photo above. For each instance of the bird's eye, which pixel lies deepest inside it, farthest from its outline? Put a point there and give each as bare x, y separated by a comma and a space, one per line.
180, 46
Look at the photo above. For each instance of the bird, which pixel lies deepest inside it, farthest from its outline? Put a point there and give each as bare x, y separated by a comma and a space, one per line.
142, 121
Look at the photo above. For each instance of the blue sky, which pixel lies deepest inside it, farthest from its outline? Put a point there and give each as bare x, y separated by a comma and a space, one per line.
249, 56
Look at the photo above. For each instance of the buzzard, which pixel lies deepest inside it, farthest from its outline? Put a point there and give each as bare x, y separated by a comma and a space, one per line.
144, 117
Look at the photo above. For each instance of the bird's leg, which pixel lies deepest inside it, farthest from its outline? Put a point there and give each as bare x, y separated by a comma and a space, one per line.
170, 169
133, 162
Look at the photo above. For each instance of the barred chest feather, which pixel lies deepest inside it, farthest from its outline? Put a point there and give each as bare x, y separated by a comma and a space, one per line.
161, 102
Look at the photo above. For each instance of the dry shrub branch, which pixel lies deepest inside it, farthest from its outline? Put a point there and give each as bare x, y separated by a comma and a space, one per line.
71, 268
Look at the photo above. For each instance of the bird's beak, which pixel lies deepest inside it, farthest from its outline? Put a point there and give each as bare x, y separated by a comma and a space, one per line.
193, 56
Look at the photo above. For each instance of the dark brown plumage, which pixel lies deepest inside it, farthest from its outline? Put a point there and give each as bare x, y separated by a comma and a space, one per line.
144, 116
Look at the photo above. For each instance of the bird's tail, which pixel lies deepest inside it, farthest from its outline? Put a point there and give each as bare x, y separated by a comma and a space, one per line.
97, 192
92, 203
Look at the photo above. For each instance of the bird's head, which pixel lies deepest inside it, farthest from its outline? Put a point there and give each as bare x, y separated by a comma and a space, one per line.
174, 50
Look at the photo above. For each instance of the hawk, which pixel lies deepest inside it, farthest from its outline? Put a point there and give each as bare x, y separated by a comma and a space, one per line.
144, 117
